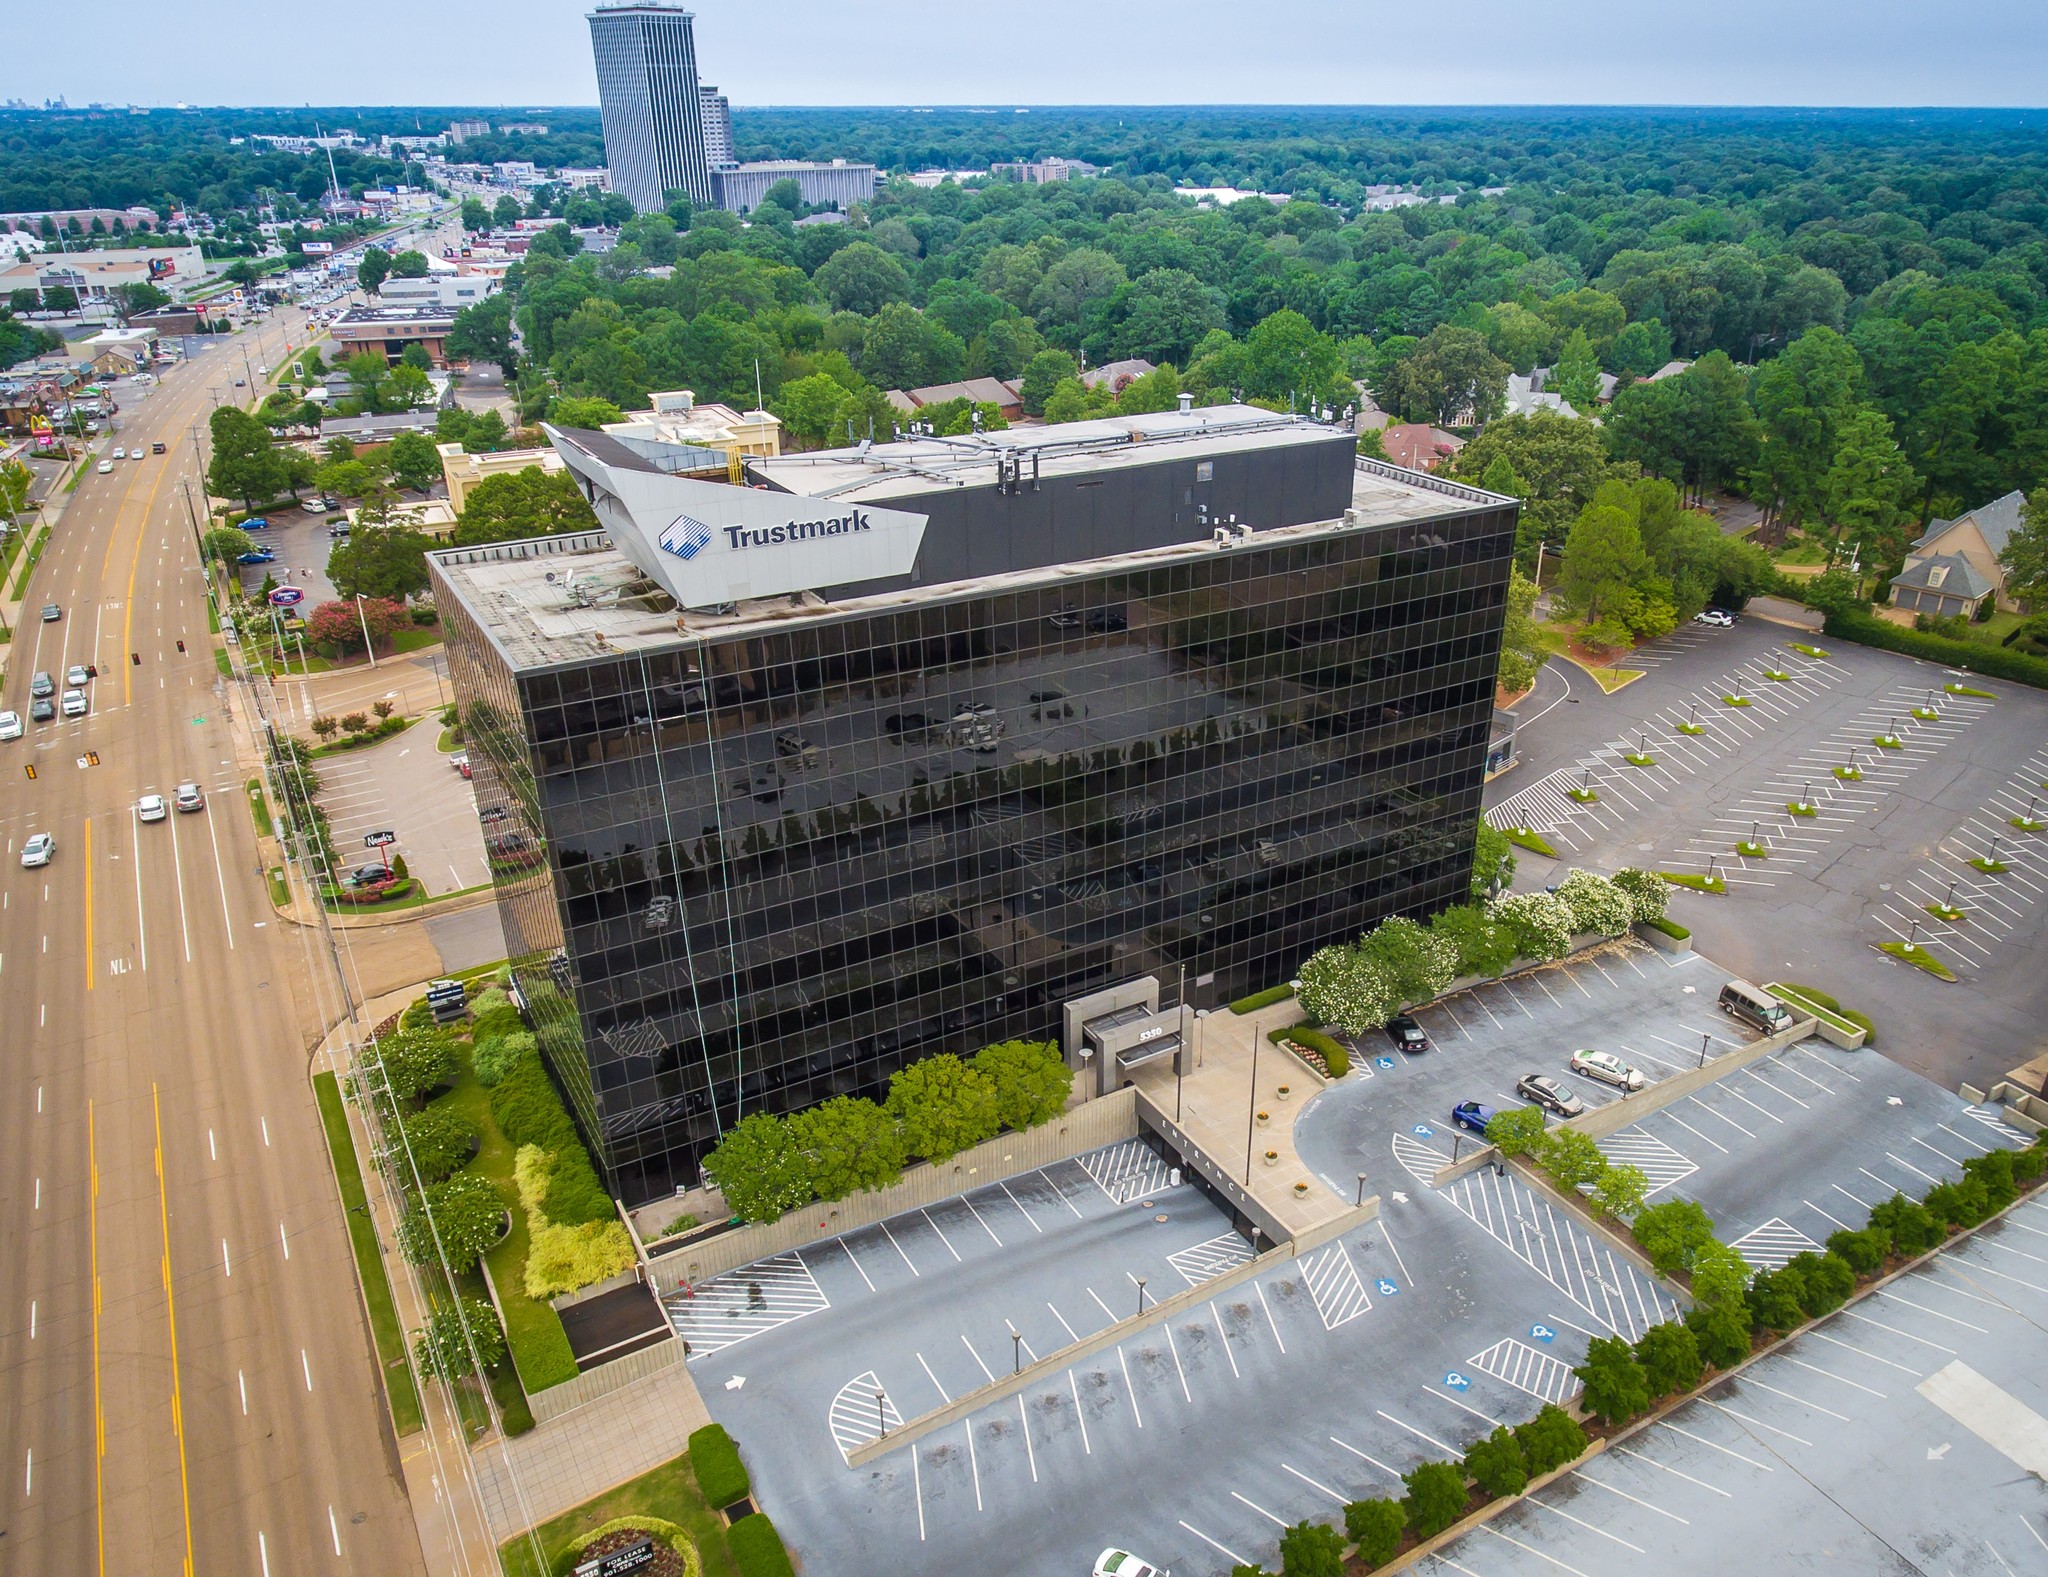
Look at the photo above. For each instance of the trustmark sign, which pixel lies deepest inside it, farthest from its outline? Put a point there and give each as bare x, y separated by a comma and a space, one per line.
710, 544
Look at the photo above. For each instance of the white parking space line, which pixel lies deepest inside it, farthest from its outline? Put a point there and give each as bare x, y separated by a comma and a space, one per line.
1543, 1505
1894, 1330
928, 1221
1757, 1423
1812, 1407
1333, 1282
729, 1308
1261, 1510
1530, 1549
1221, 1549
1443, 1446
1586, 1478
1763, 1467
1637, 1456
1769, 1246
1375, 1461
1315, 1484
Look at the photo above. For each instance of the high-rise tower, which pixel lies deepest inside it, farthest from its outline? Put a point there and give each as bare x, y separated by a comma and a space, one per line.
647, 90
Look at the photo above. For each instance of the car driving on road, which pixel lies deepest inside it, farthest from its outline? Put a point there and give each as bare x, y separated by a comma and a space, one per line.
10, 725
1607, 1068
189, 799
76, 676
150, 808
42, 709
42, 685
1547, 1093
52, 613
76, 704
38, 849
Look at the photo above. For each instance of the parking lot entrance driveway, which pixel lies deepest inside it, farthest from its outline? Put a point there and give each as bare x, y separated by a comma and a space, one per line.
1193, 1441
404, 785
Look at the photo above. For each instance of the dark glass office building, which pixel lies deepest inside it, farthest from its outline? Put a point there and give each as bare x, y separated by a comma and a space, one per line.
757, 854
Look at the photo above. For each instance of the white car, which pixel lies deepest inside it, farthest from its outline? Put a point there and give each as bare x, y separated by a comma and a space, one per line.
10, 725
76, 676
105, 468
1122, 1563
1715, 619
76, 704
120, 453
150, 808
1607, 1068
38, 849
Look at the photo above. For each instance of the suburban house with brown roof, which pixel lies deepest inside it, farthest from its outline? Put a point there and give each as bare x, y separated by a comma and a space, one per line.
982, 391
1417, 446
1954, 566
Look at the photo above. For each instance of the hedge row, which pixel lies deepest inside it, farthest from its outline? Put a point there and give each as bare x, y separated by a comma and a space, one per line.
715, 1459
1261, 999
757, 1548
766, 1164
1336, 1060
2000, 662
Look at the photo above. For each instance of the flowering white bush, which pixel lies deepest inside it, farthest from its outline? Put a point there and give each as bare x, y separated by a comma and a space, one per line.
1647, 892
1596, 904
1418, 963
1338, 986
1540, 923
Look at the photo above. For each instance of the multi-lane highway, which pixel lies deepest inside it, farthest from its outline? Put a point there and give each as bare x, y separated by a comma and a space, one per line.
189, 1384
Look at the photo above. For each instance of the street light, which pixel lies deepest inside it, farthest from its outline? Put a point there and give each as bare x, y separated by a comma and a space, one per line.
1361, 1191
1016, 1352
368, 645
881, 1417
1141, 1294
1706, 1039
1251, 1108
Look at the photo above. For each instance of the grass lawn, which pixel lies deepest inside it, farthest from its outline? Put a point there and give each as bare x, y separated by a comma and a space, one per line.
418, 898
28, 565
280, 889
362, 1234
534, 1331
1530, 839
259, 808
1699, 884
1807, 550
669, 1492
1918, 957
1810, 651
360, 741
450, 741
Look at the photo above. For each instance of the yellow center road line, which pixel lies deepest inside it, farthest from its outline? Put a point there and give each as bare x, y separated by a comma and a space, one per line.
88, 904
171, 1311
99, 1417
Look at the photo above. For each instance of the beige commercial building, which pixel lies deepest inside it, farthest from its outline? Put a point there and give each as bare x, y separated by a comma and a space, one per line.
462, 471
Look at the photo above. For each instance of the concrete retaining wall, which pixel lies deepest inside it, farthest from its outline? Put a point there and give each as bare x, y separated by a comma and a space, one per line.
1086, 1127
962, 1407
1218, 1176
602, 1381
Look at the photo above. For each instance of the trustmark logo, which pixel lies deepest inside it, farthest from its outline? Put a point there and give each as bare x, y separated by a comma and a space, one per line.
686, 538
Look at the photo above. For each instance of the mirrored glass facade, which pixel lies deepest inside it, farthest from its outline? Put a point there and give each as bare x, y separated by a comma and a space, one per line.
757, 868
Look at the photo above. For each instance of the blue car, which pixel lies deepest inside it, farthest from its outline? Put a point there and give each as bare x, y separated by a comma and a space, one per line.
256, 523
256, 556
1470, 1114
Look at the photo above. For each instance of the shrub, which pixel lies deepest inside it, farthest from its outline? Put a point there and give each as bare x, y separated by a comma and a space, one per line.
1550, 1439
943, 1106
466, 1212
355, 722
1672, 1233
1375, 1526
1621, 1190
575, 1194
1616, 1387
1961, 1204
498, 1055
1493, 859
1495, 1463
1435, 1498
1417, 963
1311, 1549
1720, 1276
1670, 1358
1909, 1224
437, 1140
560, 1259
2028, 1164
721, 1475
1980, 657
1595, 903
757, 1548
1538, 924
1484, 948
1995, 1171
1722, 1332
455, 1340
1825, 1282
488, 998
1570, 1158
759, 1169
1646, 891
1516, 1131
677, 1539
410, 1062
1261, 999
1338, 986
848, 1143
1335, 1057
1030, 1078
1776, 1299
1863, 1251
528, 1110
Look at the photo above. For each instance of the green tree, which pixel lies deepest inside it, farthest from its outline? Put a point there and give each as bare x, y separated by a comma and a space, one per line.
369, 379
903, 349
459, 1219
1621, 1190
1287, 357
407, 1063
813, 408
408, 388
862, 278
1375, 1526
1515, 1130
225, 544
1339, 987
373, 269
1030, 1080
346, 478
1578, 373
1061, 299
1042, 374
1639, 349
1521, 653
1864, 1252
849, 1144
1165, 313
1669, 1355
2025, 554
414, 462
1418, 965
1560, 461
1604, 563
1802, 398
506, 212
568, 410
417, 356
943, 1106
1720, 1276
520, 504
1695, 428
1570, 1158
1311, 1549
475, 216
1647, 892
1493, 865
1775, 1298
409, 265
482, 331
245, 463
386, 561
1550, 1439
1617, 1390
1483, 947
455, 1341
1495, 1463
436, 1141
759, 1168
137, 296
1825, 1282
1721, 1332
1672, 1233
1435, 1498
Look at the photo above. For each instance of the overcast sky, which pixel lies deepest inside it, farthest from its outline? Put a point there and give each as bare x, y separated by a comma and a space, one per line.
537, 52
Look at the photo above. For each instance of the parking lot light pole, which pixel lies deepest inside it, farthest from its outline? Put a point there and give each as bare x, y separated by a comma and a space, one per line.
881, 1417
1016, 1352
1361, 1191
1141, 1294
1706, 1040
1251, 1110
369, 646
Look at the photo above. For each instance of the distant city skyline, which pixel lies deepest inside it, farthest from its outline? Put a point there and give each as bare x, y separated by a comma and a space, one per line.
536, 52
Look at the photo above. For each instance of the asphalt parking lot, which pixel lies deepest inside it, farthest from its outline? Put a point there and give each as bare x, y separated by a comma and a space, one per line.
1654, 1011
301, 544
1900, 1436
404, 785
1860, 871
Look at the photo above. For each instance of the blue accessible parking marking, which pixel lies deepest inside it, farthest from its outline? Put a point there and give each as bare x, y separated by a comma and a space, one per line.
1423, 1131
1457, 1381
1383, 1062
1387, 1288
1542, 1333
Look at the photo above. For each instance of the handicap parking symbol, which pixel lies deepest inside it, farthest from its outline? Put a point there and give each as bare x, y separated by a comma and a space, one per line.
1456, 1381
1542, 1333
1424, 1131
1383, 1062
1387, 1288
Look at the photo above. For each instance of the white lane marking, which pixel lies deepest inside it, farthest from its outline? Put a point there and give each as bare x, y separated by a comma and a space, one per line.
848, 1251
1260, 1289
1432, 1439
141, 928
1224, 1336
1030, 1453
178, 867
287, 1242
943, 1395
1075, 1386
306, 1364
334, 1527
1129, 1390
1221, 1549
212, 1153
973, 1462
1315, 1484
1661, 1468
227, 1264
242, 1385
1586, 1478
1261, 1510
220, 877
917, 1483
265, 1122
